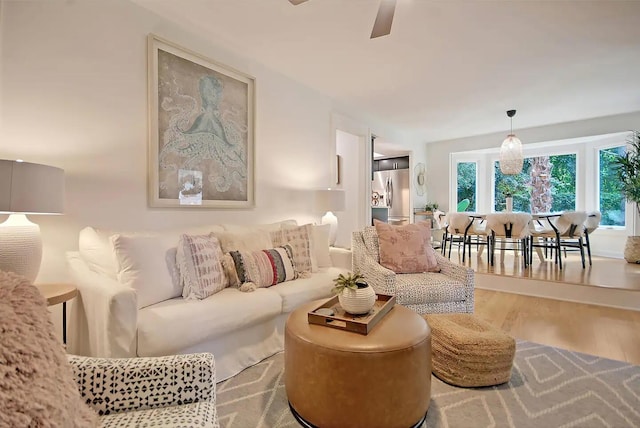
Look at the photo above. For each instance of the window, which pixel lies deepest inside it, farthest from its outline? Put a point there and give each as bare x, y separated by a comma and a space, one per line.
611, 201
467, 180
546, 184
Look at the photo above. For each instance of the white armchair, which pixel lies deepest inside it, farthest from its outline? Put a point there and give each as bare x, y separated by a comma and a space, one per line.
450, 290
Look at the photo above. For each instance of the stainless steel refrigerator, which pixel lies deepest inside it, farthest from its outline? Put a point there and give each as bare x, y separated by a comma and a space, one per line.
394, 186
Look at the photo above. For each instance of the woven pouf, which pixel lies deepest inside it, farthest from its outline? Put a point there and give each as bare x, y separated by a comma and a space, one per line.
469, 352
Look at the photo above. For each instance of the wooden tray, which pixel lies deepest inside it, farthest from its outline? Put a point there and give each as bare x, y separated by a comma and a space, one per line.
342, 320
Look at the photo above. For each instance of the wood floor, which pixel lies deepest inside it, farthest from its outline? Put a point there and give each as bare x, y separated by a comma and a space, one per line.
604, 272
596, 330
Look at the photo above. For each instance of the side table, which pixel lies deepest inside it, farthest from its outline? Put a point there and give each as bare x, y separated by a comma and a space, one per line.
56, 293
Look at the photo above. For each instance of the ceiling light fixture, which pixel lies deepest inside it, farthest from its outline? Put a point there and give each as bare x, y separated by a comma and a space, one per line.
511, 158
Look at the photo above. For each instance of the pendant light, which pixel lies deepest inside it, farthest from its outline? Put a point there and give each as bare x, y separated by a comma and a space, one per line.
511, 158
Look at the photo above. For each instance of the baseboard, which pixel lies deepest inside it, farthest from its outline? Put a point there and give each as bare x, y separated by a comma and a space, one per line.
611, 297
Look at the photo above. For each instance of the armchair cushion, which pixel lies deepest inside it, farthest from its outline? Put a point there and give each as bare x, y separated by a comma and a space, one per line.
419, 288
407, 248
37, 387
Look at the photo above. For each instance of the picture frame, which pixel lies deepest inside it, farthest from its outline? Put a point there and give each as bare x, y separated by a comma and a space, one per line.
201, 130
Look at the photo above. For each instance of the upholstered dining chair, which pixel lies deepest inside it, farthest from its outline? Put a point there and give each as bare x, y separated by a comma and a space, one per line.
464, 229
40, 385
591, 223
510, 228
558, 231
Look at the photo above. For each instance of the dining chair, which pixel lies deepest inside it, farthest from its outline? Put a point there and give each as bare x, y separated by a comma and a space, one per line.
510, 228
559, 231
464, 229
591, 223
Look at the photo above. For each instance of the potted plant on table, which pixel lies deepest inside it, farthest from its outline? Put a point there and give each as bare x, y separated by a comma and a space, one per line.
628, 171
355, 295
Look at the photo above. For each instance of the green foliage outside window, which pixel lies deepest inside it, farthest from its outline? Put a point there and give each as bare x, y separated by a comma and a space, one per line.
612, 201
467, 183
563, 185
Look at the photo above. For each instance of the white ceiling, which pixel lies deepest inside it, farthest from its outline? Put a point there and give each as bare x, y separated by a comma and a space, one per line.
450, 68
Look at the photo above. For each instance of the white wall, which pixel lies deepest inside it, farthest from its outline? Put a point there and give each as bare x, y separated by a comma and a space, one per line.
351, 149
75, 96
605, 243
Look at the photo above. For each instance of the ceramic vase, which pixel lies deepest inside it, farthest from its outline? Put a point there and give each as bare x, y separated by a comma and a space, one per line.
357, 302
509, 204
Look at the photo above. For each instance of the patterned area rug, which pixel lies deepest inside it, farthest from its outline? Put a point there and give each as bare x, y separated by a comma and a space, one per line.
549, 387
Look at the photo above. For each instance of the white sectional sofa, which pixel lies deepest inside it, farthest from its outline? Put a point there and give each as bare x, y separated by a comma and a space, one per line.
239, 328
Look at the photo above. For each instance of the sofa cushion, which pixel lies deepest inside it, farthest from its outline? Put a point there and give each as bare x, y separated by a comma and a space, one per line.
199, 260
320, 239
268, 226
172, 325
264, 268
407, 248
95, 248
421, 288
302, 290
141, 265
252, 240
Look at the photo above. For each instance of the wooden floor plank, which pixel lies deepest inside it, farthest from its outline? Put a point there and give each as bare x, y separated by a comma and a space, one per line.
596, 330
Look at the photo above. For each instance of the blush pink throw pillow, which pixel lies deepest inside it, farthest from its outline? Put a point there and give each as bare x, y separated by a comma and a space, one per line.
406, 249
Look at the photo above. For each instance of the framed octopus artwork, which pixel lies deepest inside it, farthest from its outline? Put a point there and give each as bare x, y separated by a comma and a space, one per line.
202, 113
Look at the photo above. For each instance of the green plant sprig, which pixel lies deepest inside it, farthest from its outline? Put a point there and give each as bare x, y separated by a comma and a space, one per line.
351, 280
628, 171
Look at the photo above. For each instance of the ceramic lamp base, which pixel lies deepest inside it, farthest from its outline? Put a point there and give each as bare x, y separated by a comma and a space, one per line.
330, 219
20, 246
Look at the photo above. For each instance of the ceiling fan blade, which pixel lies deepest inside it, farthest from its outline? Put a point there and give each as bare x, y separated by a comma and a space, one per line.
384, 19
296, 2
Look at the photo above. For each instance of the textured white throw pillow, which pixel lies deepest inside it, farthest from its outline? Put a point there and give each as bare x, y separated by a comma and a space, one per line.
199, 262
141, 265
298, 238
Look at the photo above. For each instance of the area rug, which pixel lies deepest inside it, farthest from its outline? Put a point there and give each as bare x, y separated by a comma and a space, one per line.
549, 387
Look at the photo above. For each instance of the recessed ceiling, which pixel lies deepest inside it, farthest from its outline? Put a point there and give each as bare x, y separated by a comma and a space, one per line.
449, 68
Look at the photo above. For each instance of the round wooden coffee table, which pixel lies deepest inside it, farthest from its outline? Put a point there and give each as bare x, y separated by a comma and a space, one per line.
336, 378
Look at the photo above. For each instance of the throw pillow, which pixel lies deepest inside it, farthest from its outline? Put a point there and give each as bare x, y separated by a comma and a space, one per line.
298, 238
406, 249
37, 385
266, 267
199, 262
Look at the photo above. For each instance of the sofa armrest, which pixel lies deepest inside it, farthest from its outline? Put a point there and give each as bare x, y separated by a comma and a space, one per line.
104, 316
461, 274
340, 257
112, 385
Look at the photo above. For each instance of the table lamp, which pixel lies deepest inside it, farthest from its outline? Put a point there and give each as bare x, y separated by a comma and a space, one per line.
26, 188
330, 200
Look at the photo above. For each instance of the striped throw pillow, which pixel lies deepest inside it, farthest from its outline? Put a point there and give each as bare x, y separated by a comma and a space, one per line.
264, 268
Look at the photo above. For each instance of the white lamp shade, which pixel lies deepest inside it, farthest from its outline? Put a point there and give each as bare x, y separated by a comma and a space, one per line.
31, 188
330, 200
511, 158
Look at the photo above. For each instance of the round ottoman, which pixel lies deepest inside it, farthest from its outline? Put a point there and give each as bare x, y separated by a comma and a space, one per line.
336, 378
468, 351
